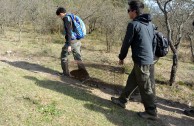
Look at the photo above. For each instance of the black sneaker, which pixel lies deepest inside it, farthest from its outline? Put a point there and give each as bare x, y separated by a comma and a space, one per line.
145, 115
118, 102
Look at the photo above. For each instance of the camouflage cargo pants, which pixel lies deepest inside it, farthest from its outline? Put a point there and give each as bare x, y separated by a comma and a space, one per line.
76, 54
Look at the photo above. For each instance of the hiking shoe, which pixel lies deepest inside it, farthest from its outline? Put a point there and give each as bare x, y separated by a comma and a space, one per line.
145, 115
118, 102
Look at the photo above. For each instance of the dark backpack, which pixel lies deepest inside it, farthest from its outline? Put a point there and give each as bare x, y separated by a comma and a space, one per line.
161, 44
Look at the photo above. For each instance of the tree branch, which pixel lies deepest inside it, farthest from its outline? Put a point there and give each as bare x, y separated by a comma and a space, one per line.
165, 5
160, 6
94, 11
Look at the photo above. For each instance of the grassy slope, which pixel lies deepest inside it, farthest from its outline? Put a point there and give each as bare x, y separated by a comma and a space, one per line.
31, 95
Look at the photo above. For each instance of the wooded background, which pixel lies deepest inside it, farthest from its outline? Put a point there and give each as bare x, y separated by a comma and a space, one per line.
105, 19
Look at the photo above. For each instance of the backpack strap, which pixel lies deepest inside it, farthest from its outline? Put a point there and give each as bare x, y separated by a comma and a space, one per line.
69, 16
153, 41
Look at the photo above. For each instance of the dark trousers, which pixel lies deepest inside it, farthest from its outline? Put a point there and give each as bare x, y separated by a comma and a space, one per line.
152, 79
140, 78
76, 54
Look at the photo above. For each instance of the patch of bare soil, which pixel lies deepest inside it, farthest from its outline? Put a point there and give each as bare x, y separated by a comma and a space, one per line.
170, 112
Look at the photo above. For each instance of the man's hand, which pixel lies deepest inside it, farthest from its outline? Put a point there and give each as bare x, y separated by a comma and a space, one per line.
69, 49
121, 62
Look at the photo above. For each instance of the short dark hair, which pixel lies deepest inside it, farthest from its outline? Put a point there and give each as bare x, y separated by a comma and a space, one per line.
136, 5
60, 10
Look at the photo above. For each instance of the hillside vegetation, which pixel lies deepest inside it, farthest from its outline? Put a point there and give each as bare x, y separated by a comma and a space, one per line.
32, 94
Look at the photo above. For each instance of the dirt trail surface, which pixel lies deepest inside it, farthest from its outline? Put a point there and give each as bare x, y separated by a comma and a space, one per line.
170, 112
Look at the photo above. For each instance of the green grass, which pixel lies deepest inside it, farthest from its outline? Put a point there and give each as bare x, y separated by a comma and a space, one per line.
191, 68
31, 95
35, 100
30, 98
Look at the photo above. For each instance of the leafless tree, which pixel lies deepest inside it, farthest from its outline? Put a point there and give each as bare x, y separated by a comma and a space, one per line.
108, 17
105, 17
114, 25
192, 46
176, 13
191, 38
20, 13
2, 15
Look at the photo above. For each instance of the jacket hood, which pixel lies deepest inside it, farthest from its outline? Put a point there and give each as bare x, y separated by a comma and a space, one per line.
144, 18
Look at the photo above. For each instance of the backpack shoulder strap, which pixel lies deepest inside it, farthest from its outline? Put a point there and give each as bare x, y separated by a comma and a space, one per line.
70, 18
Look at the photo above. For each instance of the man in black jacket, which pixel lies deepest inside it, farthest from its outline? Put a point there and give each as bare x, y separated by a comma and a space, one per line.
71, 45
139, 35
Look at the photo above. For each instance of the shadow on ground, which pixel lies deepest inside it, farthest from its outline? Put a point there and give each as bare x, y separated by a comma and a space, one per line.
93, 82
110, 68
114, 114
30, 66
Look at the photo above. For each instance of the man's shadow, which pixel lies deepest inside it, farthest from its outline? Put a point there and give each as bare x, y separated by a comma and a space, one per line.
68, 89
30, 67
173, 107
97, 104
93, 82
113, 113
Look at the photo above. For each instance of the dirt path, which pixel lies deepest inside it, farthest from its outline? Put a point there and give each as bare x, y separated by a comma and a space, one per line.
170, 113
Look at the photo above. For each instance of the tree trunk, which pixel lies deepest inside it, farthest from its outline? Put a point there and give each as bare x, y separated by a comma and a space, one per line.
92, 26
107, 41
2, 29
174, 46
192, 48
174, 50
20, 31
174, 69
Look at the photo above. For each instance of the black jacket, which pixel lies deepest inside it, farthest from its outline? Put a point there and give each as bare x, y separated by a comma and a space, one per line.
139, 36
67, 28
